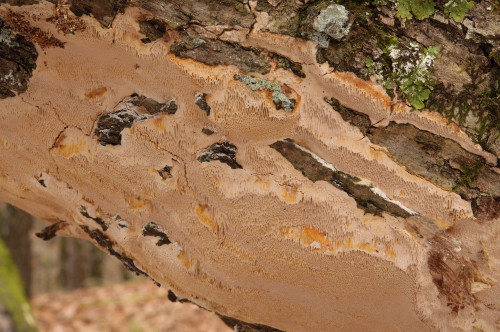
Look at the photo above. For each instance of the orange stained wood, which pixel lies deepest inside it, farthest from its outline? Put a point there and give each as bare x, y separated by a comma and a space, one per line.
309, 235
289, 194
367, 86
204, 216
70, 146
135, 202
185, 260
159, 124
99, 92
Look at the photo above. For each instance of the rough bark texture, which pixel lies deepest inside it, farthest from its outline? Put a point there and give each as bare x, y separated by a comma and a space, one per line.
266, 159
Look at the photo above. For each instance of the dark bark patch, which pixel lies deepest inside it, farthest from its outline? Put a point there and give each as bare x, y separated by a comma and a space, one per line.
17, 62
151, 106
358, 119
21, 24
105, 242
153, 29
201, 101
178, 13
165, 172
440, 161
110, 126
50, 232
285, 18
65, 21
215, 52
20, 2
135, 107
224, 152
102, 11
297, 18
240, 326
104, 225
153, 229
171, 296
207, 131
486, 208
366, 199
287, 64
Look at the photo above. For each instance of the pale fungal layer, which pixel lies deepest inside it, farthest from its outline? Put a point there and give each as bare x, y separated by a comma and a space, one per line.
248, 240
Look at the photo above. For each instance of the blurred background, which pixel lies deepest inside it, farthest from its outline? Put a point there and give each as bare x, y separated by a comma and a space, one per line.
67, 284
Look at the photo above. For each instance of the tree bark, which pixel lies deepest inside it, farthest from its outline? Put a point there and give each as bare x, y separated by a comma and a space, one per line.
266, 160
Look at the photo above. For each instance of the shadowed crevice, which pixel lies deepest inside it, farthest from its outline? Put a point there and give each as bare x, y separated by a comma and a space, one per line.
365, 195
104, 225
153, 29
240, 326
165, 172
354, 118
105, 242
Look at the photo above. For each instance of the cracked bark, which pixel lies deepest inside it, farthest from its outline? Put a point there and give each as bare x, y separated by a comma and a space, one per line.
160, 131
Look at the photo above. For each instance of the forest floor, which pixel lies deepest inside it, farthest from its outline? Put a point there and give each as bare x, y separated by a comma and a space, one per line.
130, 306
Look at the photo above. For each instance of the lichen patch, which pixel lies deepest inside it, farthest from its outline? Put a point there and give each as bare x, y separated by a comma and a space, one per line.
279, 98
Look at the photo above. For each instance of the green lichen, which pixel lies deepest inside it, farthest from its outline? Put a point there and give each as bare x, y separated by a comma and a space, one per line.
12, 295
407, 69
279, 98
420, 9
456, 9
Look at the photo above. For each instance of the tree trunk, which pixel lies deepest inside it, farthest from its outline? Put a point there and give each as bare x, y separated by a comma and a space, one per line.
6, 323
15, 227
294, 165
